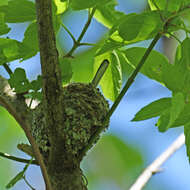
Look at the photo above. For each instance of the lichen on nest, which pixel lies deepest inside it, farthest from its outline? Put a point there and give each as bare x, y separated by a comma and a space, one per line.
84, 111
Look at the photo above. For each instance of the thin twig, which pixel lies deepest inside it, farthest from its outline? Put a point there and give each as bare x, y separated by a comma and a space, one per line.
77, 43
7, 68
5, 155
26, 181
122, 93
155, 166
87, 44
70, 34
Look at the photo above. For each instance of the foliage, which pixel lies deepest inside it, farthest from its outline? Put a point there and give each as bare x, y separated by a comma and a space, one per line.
163, 18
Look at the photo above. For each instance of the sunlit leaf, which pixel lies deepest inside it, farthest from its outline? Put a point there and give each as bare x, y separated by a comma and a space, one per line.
61, 6
171, 6
109, 46
9, 50
108, 15
112, 79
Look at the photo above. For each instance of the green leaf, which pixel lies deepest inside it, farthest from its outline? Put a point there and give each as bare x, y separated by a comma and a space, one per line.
163, 121
171, 5
177, 107
153, 109
82, 66
61, 6
181, 70
176, 83
35, 95
112, 79
84, 4
19, 11
109, 45
154, 66
4, 2
139, 27
126, 68
161, 4
172, 117
184, 117
9, 50
4, 29
17, 178
107, 15
66, 70
36, 84
18, 81
187, 138
29, 46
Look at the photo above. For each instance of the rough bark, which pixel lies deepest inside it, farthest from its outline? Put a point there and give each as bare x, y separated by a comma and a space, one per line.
64, 176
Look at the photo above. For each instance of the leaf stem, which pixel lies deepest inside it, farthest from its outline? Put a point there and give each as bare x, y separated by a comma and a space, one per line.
77, 43
5, 155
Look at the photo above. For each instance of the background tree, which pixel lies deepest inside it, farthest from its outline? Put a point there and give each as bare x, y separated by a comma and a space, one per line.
59, 147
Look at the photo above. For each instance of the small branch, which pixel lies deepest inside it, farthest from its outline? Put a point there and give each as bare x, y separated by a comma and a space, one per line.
7, 68
70, 34
122, 93
87, 44
5, 155
155, 166
77, 43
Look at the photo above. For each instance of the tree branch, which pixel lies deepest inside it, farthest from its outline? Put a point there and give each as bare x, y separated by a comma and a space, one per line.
155, 166
18, 159
77, 43
51, 82
18, 109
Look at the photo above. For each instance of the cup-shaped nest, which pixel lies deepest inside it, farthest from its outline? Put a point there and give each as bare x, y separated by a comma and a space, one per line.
85, 109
